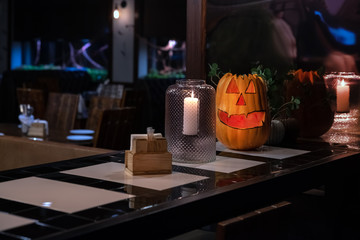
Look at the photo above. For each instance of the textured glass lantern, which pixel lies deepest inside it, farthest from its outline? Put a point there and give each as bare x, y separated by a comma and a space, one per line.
345, 89
190, 121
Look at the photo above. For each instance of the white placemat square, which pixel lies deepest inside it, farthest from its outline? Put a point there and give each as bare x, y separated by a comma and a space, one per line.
114, 172
8, 221
265, 151
57, 195
223, 164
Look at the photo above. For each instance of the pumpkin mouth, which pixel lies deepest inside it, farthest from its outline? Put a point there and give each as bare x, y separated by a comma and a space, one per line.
242, 121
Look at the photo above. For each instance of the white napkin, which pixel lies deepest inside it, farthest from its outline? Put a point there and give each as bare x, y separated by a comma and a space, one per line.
45, 123
141, 136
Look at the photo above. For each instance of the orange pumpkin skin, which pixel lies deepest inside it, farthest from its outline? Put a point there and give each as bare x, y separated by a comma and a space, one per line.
314, 116
242, 117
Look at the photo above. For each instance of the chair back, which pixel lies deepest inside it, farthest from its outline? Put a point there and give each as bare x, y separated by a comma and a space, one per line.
61, 110
129, 98
34, 97
264, 223
96, 106
115, 128
136, 98
112, 90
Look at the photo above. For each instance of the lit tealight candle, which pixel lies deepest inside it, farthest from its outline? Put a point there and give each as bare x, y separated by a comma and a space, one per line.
342, 97
190, 124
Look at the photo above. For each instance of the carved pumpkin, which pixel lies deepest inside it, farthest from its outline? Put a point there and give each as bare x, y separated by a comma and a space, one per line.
314, 116
243, 119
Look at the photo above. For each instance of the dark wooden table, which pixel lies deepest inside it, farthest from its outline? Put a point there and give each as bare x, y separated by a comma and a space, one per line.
13, 129
161, 214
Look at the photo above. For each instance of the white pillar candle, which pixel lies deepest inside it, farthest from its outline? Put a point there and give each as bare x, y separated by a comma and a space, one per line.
342, 97
191, 112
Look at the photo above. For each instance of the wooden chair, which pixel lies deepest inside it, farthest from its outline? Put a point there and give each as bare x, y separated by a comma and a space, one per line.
112, 90
264, 223
61, 110
96, 106
115, 128
128, 98
135, 98
34, 97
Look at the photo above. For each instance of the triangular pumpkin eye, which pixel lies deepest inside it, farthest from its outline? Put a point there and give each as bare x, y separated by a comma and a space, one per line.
232, 87
250, 88
241, 101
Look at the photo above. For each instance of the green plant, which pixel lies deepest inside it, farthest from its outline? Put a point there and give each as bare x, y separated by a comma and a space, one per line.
275, 88
214, 72
155, 74
287, 107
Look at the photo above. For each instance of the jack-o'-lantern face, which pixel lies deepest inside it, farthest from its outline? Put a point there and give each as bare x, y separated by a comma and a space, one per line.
242, 111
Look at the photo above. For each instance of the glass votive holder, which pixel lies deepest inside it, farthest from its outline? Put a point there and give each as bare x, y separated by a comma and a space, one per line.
26, 117
190, 121
344, 88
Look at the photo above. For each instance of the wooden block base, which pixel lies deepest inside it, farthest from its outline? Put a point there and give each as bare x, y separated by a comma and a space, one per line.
148, 163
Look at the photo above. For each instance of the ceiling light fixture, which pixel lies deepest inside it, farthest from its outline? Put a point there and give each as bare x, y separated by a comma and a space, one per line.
116, 12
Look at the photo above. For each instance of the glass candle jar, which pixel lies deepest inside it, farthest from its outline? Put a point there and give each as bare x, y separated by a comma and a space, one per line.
344, 88
190, 121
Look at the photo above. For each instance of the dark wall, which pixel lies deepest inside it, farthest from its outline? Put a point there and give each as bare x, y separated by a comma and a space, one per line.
164, 18
63, 19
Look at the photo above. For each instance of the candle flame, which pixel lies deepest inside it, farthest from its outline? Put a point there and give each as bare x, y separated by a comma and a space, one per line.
342, 82
192, 94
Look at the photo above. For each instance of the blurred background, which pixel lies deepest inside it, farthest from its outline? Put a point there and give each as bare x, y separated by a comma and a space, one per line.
81, 44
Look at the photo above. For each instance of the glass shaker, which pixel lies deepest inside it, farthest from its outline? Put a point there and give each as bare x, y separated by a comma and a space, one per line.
26, 117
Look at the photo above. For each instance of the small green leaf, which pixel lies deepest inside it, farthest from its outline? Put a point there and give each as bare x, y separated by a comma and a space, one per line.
213, 70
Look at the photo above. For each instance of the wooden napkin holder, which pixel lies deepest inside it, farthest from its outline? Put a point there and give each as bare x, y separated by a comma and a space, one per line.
148, 157
37, 130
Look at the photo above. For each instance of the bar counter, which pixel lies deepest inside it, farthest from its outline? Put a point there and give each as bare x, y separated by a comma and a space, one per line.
92, 197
